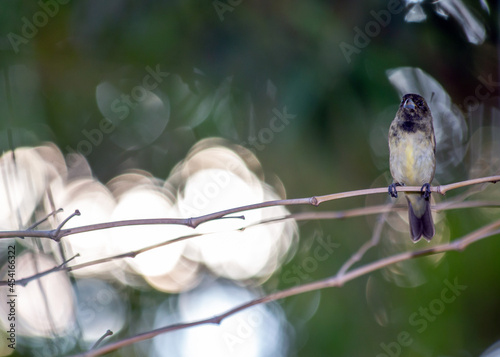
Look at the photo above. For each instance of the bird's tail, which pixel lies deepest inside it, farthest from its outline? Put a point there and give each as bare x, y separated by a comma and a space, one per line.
420, 217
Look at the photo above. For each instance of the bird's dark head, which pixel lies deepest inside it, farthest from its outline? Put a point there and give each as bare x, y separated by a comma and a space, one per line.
413, 107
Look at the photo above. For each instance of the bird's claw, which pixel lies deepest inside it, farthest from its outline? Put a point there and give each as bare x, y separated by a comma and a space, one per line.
392, 189
426, 190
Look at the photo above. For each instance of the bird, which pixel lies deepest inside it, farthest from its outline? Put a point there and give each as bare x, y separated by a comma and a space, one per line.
412, 161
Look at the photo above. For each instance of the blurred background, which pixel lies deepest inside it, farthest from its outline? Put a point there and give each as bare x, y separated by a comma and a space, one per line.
154, 109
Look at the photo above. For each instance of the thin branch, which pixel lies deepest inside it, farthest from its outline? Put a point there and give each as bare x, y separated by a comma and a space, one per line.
60, 267
450, 205
193, 222
98, 342
370, 210
377, 232
131, 254
439, 189
334, 281
445, 188
51, 234
36, 224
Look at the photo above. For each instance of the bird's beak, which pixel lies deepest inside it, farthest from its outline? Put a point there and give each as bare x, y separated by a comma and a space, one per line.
409, 104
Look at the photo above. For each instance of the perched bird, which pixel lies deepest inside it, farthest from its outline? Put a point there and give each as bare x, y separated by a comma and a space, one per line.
412, 147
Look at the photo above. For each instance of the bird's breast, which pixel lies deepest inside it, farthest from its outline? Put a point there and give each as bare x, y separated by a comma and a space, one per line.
412, 159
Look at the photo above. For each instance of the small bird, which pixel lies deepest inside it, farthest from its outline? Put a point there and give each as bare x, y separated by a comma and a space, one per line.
412, 147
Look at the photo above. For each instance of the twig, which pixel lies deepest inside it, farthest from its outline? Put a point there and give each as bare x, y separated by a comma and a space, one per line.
370, 210
56, 236
36, 224
443, 189
439, 189
131, 254
98, 342
377, 232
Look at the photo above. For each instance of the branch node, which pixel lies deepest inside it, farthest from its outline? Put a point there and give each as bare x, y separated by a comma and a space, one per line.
191, 223
314, 201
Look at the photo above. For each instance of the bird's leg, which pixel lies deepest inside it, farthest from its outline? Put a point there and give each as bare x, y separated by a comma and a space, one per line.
426, 190
392, 189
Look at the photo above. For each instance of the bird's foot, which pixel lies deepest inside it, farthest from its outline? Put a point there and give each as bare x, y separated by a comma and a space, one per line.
392, 189
426, 190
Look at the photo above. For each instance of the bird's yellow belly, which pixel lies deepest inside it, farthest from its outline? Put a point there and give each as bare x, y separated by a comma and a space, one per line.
412, 161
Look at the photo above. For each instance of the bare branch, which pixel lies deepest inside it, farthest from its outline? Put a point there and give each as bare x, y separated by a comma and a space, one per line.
443, 189
370, 210
131, 254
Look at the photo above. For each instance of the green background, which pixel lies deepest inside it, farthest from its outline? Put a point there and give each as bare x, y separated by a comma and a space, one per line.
259, 56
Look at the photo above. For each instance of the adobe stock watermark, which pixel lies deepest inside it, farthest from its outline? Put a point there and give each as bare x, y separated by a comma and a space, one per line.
218, 180
30, 26
322, 248
246, 327
277, 124
121, 107
224, 6
421, 319
483, 92
362, 37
